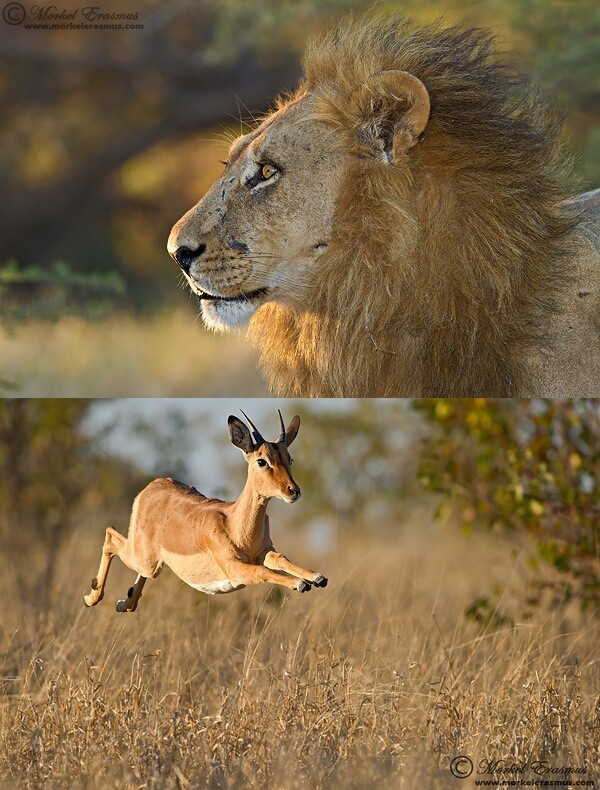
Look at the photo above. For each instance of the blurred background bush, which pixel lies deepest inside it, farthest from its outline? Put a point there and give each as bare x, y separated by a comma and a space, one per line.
107, 137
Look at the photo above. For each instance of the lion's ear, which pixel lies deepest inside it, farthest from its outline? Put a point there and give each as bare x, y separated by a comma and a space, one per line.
393, 110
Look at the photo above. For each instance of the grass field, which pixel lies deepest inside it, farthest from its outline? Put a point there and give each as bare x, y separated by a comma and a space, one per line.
376, 681
169, 354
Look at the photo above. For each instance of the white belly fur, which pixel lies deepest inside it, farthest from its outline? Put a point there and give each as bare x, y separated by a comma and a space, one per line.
194, 567
215, 588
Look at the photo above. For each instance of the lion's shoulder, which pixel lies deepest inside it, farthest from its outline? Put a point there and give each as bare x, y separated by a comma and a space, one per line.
587, 206
570, 365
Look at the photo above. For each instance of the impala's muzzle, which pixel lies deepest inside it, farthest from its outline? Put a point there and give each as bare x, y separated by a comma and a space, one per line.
294, 492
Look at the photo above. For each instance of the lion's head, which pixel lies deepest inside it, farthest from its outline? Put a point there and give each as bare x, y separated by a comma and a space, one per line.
258, 234
388, 228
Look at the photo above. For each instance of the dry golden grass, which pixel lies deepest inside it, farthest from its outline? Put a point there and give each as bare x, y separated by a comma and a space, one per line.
170, 354
375, 681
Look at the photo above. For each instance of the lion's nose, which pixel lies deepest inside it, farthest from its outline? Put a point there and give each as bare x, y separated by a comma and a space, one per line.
185, 256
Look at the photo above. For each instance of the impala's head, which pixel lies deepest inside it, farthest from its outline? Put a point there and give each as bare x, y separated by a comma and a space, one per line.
259, 232
268, 462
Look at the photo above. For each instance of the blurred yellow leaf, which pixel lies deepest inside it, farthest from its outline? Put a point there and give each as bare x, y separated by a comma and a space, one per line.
519, 491
536, 507
442, 409
472, 419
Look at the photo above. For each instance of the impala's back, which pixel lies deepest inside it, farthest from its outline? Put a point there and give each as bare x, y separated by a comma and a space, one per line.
171, 523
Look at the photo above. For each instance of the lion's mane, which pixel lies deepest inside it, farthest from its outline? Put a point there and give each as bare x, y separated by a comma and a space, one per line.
443, 269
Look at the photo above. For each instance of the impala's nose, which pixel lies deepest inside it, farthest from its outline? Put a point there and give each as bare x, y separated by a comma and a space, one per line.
185, 256
294, 492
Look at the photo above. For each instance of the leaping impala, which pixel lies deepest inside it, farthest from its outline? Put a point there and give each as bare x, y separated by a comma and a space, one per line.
214, 546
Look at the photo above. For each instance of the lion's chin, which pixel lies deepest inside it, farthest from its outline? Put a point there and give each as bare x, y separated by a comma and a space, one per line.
223, 316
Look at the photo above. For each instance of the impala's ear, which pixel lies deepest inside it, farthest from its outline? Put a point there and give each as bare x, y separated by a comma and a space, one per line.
240, 435
292, 430
393, 110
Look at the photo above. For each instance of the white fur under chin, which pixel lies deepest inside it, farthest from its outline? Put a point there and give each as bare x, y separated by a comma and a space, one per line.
222, 316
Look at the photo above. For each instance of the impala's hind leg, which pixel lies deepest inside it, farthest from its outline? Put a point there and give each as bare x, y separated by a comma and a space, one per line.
133, 596
113, 544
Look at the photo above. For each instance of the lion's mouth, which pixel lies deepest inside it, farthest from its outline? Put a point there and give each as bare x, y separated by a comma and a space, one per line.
244, 297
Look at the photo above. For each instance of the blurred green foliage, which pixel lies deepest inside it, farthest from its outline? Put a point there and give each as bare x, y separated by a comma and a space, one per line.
52, 292
273, 28
562, 51
532, 467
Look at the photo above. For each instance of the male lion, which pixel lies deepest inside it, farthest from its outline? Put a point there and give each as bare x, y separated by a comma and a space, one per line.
394, 228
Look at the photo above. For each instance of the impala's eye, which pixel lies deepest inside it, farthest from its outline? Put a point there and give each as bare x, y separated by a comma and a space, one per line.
262, 462
268, 170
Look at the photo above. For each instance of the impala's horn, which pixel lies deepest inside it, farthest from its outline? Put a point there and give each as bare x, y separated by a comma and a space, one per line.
256, 434
282, 436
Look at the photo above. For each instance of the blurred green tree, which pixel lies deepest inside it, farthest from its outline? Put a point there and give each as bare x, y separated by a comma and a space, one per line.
562, 50
51, 472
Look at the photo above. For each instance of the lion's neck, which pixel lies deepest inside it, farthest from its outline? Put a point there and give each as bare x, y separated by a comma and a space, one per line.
304, 355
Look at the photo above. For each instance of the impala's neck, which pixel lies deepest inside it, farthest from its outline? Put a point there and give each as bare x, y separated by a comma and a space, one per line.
248, 513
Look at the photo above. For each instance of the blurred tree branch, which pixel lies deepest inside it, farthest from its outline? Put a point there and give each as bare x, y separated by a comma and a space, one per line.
52, 292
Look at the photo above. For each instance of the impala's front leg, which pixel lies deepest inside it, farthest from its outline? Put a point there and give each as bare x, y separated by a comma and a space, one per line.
278, 562
243, 573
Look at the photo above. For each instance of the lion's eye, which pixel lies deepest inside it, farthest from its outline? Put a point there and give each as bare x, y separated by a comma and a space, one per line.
265, 172
268, 170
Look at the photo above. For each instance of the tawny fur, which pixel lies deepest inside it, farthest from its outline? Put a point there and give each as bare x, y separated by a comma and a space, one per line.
455, 271
452, 262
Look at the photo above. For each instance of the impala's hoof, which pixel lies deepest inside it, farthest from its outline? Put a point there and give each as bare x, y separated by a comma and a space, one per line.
320, 581
122, 606
92, 599
304, 586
